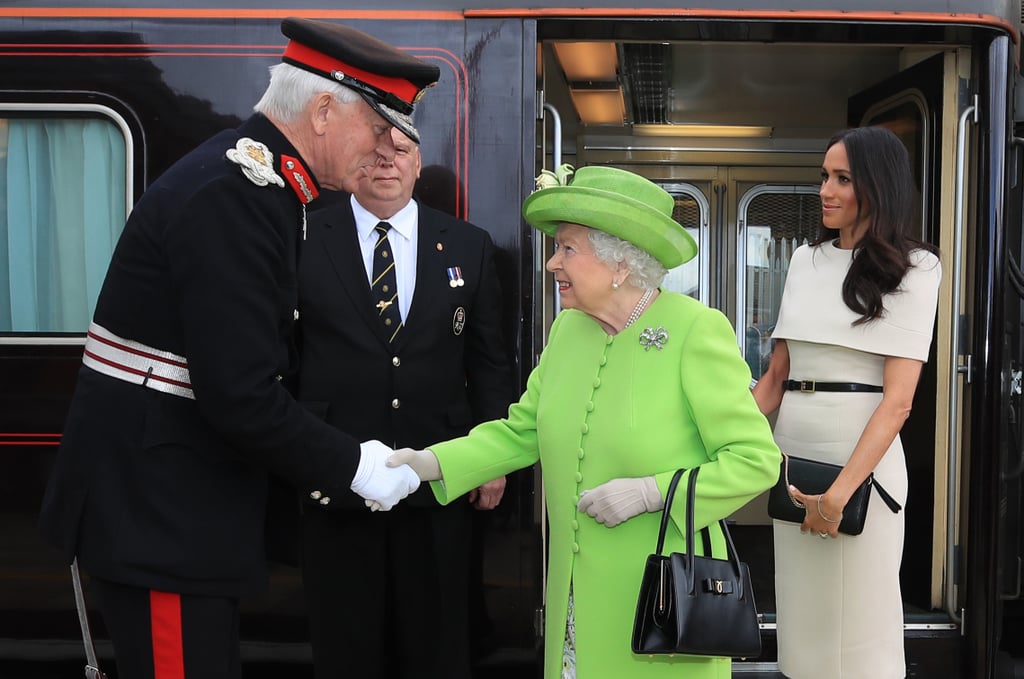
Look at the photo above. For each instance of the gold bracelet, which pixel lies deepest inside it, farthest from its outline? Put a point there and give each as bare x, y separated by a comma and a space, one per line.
822, 514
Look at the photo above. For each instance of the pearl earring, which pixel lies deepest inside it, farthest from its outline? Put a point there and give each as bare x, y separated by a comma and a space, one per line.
615, 286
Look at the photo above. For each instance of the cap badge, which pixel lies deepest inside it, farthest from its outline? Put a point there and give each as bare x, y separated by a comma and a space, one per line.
455, 277
459, 321
654, 337
256, 161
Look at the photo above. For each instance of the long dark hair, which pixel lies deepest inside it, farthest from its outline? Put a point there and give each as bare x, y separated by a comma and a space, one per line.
884, 186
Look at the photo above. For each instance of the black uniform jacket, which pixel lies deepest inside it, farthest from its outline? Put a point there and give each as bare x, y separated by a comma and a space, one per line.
446, 370
166, 492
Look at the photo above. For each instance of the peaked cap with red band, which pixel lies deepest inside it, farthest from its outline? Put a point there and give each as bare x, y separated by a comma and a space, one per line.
390, 80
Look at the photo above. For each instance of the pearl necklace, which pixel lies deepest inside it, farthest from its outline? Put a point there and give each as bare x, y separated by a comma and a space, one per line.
639, 308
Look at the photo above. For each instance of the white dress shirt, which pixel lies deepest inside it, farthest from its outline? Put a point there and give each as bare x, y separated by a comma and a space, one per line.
404, 241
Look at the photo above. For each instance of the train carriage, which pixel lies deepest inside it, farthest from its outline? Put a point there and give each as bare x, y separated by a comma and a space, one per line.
726, 105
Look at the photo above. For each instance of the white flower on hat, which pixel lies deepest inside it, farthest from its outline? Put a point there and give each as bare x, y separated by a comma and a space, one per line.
560, 177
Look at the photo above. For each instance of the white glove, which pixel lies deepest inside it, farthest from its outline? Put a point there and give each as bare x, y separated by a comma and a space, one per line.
382, 486
423, 462
613, 502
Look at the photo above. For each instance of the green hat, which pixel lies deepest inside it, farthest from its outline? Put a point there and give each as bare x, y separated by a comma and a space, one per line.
615, 201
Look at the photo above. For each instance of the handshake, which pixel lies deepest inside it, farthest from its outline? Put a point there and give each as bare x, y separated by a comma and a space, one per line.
384, 476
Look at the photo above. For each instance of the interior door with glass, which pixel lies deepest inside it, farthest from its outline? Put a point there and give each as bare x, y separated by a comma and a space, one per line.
692, 210
773, 221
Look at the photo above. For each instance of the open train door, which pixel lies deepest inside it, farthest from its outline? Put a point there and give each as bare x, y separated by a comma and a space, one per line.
1009, 644
961, 574
1010, 548
913, 104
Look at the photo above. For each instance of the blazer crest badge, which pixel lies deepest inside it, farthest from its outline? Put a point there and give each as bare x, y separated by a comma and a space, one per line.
459, 321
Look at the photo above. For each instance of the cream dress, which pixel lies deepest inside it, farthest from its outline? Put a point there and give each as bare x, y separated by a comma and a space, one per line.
840, 611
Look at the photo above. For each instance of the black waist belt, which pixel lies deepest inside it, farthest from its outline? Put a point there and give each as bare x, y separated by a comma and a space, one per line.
811, 386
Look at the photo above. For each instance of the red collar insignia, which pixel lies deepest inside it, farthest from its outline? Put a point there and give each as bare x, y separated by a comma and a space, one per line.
299, 178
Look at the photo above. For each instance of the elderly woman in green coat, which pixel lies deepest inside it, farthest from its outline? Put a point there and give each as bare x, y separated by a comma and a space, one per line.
634, 383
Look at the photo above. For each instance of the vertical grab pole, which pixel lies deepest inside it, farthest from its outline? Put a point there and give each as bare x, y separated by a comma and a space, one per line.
971, 112
556, 162
556, 127
538, 253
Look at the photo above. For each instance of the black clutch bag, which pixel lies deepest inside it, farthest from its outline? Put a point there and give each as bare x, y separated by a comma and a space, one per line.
696, 605
813, 477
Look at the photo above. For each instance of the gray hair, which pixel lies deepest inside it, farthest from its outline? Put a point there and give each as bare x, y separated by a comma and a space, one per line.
645, 271
291, 88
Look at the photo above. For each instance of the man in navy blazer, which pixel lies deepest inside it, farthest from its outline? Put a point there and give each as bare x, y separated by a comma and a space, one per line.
387, 591
181, 413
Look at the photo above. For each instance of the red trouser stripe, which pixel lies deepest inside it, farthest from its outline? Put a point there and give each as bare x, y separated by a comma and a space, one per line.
165, 620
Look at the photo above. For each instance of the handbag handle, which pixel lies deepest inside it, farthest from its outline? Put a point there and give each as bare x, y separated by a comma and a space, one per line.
668, 505
691, 495
730, 548
704, 533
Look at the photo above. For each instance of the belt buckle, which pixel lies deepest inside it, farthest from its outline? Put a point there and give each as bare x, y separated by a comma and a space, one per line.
806, 386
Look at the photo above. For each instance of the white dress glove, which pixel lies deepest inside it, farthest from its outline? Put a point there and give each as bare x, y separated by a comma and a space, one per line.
613, 502
423, 462
381, 485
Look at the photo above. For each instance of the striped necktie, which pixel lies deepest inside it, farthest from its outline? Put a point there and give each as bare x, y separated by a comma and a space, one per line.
384, 288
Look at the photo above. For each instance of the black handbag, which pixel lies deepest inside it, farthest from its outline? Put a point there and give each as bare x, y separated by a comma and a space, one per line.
696, 605
813, 477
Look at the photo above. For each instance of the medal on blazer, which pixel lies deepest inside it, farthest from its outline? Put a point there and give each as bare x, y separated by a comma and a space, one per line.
455, 277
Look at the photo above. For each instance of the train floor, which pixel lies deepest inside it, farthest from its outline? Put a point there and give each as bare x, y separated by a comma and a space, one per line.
928, 657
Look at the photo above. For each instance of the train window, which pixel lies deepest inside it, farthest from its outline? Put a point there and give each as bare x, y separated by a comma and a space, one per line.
775, 220
64, 186
691, 210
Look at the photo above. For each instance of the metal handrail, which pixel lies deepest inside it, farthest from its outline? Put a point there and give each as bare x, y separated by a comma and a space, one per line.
556, 127
556, 155
956, 368
556, 162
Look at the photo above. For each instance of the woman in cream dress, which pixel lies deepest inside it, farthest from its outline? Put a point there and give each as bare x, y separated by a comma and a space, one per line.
858, 309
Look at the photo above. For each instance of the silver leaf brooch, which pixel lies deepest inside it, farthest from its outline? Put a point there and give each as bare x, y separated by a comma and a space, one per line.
654, 337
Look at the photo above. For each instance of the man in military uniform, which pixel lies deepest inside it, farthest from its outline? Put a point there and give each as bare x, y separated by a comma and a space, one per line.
427, 373
180, 413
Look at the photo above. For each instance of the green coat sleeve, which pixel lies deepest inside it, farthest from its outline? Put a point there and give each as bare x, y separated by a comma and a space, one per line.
743, 459
494, 448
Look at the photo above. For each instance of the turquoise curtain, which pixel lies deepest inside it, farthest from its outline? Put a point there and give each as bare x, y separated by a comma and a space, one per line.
62, 187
